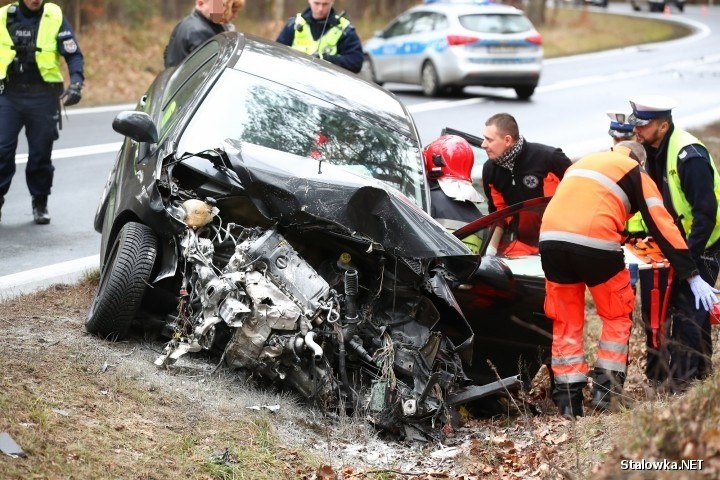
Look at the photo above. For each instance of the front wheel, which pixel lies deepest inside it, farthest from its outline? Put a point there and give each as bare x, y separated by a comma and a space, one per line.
368, 71
524, 93
429, 80
123, 282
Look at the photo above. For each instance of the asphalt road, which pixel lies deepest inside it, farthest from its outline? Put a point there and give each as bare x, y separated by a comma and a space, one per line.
567, 110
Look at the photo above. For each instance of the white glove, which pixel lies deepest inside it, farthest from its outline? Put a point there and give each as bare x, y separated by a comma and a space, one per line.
491, 251
703, 292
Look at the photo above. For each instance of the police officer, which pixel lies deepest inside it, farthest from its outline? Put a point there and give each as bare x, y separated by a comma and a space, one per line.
33, 35
449, 161
209, 18
620, 130
580, 250
320, 32
686, 175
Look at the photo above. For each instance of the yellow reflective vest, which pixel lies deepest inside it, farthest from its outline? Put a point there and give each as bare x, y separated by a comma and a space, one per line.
679, 140
47, 55
326, 45
473, 242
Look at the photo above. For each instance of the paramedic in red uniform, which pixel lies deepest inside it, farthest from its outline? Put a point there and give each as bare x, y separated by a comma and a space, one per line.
580, 246
518, 170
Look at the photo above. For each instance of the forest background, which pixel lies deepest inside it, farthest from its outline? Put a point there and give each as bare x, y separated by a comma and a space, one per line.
123, 40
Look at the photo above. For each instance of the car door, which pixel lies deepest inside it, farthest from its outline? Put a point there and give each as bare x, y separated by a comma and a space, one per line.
422, 43
389, 52
503, 301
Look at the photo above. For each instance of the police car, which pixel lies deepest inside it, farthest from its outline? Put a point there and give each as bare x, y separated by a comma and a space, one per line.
446, 46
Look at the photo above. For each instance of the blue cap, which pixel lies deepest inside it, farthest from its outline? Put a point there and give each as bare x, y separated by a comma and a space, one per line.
649, 107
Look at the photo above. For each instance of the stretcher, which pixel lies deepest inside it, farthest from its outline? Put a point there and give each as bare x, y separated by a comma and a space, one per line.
649, 256
640, 255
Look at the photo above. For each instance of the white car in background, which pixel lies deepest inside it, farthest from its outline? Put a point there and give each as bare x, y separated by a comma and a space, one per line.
448, 46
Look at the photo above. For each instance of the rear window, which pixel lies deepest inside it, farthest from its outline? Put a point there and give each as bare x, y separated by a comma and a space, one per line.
496, 23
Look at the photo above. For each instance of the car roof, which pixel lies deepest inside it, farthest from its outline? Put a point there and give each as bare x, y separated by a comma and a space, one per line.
466, 9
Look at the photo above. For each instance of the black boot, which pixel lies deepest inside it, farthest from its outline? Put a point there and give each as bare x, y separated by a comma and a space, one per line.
40, 211
569, 399
606, 385
2, 201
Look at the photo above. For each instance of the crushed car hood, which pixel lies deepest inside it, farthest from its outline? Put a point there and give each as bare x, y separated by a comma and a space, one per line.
313, 194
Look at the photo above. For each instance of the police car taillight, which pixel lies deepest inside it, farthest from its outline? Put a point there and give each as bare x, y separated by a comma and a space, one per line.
535, 39
454, 40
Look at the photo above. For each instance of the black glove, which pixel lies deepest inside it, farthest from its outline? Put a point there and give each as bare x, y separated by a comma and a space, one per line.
72, 95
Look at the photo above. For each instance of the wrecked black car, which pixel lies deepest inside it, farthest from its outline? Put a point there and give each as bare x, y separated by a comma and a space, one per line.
271, 208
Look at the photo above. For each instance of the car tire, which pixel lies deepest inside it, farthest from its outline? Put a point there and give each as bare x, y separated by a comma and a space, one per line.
524, 93
429, 80
368, 71
455, 90
123, 281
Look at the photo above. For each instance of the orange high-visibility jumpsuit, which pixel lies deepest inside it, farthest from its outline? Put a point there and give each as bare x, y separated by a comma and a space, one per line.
580, 245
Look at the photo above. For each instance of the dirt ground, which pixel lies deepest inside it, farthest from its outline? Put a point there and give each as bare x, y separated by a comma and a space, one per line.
82, 407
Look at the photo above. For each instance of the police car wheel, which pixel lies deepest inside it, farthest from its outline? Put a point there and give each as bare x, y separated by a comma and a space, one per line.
429, 79
368, 71
123, 282
524, 93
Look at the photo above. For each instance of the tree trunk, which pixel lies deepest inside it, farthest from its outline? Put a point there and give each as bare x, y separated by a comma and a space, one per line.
278, 10
536, 12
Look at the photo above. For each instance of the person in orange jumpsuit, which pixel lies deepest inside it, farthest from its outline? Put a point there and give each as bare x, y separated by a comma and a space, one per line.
580, 246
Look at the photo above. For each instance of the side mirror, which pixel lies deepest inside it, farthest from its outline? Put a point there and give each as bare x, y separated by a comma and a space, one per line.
136, 125
494, 272
379, 34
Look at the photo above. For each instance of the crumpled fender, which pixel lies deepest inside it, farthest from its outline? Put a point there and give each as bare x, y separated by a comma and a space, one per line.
453, 324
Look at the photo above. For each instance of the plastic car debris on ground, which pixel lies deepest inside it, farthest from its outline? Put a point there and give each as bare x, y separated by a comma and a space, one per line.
9, 447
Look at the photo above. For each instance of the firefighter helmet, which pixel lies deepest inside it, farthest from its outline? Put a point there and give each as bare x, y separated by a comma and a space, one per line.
449, 156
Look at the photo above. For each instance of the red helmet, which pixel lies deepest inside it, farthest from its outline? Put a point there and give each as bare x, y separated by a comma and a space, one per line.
449, 156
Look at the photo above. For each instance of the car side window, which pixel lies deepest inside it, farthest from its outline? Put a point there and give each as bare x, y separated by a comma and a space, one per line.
441, 22
423, 23
402, 26
182, 87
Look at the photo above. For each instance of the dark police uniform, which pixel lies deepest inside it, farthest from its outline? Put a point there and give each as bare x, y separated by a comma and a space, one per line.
689, 182
346, 53
31, 85
691, 345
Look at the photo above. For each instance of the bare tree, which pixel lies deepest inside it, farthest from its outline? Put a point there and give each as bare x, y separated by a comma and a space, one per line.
278, 10
536, 11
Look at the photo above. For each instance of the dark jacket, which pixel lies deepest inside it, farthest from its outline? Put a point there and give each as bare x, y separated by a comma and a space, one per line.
444, 207
696, 179
350, 54
191, 32
23, 29
538, 170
